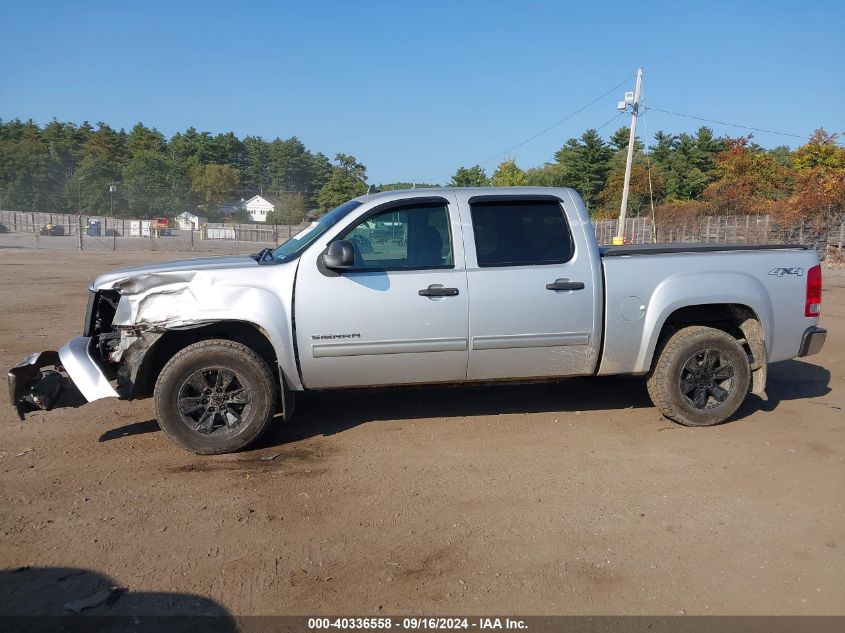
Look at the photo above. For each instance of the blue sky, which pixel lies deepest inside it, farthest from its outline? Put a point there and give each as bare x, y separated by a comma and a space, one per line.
416, 89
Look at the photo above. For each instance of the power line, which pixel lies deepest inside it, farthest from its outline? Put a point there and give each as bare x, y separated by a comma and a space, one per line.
554, 125
547, 128
599, 128
609, 121
745, 127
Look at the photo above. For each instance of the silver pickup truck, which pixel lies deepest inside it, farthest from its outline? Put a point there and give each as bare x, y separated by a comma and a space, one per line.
432, 286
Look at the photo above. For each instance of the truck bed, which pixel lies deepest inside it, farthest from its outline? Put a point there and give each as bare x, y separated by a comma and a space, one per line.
642, 292
692, 247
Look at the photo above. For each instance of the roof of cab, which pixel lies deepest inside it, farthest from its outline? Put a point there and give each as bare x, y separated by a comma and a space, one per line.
473, 191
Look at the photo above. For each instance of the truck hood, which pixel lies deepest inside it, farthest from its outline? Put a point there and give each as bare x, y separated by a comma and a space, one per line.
115, 279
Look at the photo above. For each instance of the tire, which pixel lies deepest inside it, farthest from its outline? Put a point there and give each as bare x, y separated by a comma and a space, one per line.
700, 378
212, 422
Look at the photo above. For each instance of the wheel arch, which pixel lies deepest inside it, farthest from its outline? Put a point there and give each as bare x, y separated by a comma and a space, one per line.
170, 342
739, 320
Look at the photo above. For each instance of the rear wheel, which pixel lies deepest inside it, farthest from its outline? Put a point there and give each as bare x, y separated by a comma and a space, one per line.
700, 378
215, 396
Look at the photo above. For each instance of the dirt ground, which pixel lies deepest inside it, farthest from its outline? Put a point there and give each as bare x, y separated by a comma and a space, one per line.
567, 498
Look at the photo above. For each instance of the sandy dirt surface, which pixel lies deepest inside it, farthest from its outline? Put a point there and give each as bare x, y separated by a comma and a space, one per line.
569, 498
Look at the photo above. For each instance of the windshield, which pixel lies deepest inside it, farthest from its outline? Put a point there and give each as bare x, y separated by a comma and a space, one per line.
294, 246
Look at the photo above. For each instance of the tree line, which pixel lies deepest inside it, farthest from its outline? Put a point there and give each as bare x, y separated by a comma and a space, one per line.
689, 174
98, 170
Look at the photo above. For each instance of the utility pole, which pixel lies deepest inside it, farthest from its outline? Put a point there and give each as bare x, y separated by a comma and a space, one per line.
635, 110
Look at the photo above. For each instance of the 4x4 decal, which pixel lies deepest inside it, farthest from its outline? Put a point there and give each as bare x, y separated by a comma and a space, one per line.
780, 272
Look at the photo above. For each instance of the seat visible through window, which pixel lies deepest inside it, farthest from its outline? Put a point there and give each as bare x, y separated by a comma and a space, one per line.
412, 236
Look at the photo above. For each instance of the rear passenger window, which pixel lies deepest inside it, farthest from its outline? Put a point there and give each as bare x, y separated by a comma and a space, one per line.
520, 233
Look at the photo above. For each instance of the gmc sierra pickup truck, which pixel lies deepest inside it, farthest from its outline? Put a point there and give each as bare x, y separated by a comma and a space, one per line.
432, 286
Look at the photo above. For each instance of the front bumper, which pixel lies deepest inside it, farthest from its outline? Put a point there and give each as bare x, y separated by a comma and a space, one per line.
49, 379
812, 341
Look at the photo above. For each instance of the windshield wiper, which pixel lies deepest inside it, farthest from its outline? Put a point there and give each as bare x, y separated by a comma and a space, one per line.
264, 256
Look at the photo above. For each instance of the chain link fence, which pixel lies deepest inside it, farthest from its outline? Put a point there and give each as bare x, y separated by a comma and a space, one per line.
52, 230
828, 239
83, 232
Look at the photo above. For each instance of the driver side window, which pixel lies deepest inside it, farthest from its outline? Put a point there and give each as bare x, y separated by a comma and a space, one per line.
406, 237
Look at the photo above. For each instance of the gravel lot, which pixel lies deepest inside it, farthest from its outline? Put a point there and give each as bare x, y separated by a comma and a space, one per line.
574, 497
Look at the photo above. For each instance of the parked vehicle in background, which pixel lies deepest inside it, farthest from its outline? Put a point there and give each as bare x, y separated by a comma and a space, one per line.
160, 226
454, 285
52, 229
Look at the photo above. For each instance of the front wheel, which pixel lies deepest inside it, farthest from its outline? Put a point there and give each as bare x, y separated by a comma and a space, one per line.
214, 397
700, 378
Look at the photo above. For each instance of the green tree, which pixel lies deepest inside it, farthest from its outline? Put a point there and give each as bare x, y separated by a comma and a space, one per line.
146, 186
31, 175
214, 184
348, 180
321, 171
508, 174
619, 139
474, 176
547, 175
256, 172
291, 209
291, 166
144, 139
584, 164
101, 167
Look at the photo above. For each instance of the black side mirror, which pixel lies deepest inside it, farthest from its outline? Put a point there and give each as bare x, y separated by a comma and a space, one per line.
339, 255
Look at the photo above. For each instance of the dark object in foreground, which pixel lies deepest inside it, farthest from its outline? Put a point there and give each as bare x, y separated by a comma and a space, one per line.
33, 388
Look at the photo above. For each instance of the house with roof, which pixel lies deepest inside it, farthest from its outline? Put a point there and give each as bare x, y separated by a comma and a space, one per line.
258, 206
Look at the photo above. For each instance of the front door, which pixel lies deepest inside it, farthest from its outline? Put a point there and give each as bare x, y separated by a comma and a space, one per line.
400, 316
531, 288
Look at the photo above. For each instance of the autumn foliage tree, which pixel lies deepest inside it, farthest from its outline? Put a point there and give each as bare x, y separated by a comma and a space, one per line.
508, 174
746, 180
819, 192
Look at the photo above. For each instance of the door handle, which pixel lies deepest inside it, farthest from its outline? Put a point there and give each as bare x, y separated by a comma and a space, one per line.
565, 284
438, 291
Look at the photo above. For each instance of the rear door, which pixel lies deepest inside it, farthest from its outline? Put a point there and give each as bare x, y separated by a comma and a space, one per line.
531, 285
400, 316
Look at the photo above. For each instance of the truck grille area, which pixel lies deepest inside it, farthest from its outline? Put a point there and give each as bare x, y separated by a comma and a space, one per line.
99, 315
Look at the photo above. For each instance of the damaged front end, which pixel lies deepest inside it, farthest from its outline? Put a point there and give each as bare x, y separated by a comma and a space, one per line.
49, 380
32, 387
79, 372
129, 311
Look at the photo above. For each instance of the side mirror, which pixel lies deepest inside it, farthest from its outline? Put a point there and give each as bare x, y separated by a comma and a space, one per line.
339, 255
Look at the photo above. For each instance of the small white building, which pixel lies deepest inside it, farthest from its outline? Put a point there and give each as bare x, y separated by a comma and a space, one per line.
259, 207
188, 221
